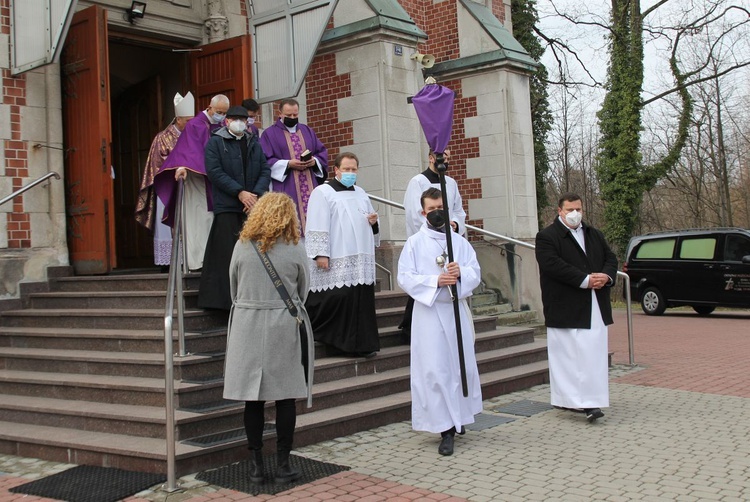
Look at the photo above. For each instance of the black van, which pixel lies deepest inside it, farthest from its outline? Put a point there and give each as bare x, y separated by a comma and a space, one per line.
701, 268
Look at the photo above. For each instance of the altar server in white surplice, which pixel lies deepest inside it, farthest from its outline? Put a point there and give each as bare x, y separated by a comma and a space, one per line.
340, 236
438, 404
577, 270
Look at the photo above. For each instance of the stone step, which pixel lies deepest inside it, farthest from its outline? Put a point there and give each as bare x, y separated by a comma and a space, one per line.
124, 282
113, 340
89, 362
493, 309
149, 454
155, 299
195, 320
130, 300
106, 388
137, 421
382, 375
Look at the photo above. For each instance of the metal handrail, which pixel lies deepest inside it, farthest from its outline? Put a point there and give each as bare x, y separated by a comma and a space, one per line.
625, 276
51, 174
174, 282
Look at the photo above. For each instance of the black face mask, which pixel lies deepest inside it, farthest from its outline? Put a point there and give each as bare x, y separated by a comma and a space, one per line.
436, 218
290, 122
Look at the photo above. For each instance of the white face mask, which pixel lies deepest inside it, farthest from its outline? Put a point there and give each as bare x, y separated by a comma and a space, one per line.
574, 218
237, 126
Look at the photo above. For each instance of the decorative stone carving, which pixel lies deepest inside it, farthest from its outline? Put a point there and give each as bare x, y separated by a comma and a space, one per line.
217, 24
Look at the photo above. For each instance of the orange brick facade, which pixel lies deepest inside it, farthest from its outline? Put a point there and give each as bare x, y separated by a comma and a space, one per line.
16, 166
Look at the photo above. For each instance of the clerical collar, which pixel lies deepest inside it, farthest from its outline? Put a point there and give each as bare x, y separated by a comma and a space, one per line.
338, 186
431, 175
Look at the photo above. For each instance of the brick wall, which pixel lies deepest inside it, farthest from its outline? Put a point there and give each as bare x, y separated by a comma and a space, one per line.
16, 166
324, 89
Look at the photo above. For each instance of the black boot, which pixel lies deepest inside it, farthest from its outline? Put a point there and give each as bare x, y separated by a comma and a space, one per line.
285, 473
256, 466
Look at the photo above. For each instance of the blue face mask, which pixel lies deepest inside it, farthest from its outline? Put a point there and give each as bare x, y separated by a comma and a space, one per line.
348, 179
218, 117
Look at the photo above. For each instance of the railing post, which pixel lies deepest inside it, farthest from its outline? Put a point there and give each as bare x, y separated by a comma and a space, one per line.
174, 279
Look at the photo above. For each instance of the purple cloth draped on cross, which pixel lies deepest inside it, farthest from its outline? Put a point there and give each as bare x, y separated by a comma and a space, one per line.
434, 107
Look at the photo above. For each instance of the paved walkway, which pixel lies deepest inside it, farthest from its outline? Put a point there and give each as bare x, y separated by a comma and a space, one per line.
677, 429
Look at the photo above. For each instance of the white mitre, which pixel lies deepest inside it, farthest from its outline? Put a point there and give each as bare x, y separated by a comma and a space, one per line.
184, 106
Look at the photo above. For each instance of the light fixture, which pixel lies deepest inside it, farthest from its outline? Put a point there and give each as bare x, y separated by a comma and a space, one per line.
136, 10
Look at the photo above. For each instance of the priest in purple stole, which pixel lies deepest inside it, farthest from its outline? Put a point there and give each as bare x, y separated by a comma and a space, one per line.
149, 208
187, 161
284, 143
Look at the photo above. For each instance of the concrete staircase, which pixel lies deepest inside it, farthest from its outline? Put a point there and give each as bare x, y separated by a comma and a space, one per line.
82, 377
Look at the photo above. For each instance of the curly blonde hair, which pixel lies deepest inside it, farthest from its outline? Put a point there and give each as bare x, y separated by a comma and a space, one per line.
273, 217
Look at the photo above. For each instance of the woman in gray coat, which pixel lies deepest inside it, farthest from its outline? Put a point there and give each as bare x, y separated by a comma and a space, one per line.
264, 359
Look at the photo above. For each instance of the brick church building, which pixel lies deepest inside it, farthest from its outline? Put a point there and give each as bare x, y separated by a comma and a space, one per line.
91, 113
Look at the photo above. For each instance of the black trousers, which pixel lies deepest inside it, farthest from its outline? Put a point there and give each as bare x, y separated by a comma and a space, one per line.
286, 420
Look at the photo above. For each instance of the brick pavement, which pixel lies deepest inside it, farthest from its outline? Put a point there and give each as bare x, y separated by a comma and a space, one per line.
677, 429
682, 350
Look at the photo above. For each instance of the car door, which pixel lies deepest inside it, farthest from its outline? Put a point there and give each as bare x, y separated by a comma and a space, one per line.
702, 281
735, 273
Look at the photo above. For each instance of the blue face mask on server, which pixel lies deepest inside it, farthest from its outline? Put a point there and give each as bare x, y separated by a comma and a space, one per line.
348, 179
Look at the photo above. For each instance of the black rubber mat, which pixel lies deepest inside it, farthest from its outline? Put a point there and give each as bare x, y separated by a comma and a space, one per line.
87, 483
226, 436
484, 421
523, 408
235, 476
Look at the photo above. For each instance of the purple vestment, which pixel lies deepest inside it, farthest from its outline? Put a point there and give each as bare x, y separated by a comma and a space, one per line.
279, 144
189, 152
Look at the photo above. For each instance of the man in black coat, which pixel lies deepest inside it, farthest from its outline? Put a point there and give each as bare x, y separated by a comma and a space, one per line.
239, 174
577, 269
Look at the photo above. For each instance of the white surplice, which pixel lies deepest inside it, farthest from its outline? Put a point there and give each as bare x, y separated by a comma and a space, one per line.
198, 219
578, 372
337, 227
413, 204
437, 399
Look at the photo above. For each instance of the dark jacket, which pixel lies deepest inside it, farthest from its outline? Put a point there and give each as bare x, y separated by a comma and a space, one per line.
562, 268
224, 167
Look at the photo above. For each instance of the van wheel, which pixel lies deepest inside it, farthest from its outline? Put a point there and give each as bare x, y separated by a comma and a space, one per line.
652, 301
703, 309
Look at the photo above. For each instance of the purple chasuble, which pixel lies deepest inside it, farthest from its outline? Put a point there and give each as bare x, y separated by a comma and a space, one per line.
190, 153
279, 144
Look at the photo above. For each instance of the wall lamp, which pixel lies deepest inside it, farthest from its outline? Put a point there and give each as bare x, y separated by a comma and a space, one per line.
136, 10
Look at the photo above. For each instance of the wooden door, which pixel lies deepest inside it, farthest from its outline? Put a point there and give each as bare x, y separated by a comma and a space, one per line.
222, 68
87, 137
136, 119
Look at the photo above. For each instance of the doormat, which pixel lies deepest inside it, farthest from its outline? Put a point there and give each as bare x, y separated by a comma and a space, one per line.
484, 421
87, 483
523, 408
235, 476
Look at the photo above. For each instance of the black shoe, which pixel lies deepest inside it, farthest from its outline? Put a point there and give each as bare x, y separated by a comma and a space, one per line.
285, 473
592, 414
462, 431
367, 355
256, 467
446, 445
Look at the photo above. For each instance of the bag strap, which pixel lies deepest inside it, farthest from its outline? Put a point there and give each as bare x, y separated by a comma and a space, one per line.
280, 288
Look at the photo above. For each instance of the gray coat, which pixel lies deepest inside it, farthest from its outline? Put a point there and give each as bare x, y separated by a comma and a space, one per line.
264, 353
